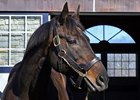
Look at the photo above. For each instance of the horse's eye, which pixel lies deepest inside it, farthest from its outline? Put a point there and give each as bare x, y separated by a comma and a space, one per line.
72, 41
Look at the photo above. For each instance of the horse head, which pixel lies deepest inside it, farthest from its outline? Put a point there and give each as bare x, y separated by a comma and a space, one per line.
71, 50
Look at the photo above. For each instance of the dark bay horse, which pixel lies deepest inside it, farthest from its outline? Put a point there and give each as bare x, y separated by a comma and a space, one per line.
58, 50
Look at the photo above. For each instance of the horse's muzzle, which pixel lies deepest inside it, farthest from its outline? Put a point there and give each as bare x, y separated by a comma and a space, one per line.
101, 83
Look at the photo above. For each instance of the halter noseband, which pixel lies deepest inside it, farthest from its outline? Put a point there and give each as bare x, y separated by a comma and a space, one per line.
81, 71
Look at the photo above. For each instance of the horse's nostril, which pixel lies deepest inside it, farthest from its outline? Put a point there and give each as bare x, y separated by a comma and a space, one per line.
100, 81
101, 78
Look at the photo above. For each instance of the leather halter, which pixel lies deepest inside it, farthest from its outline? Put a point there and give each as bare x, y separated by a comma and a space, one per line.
81, 71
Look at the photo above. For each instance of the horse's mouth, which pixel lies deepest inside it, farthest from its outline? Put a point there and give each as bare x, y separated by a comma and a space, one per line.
99, 85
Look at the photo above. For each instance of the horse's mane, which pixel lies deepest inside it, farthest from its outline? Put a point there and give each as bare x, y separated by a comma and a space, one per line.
40, 35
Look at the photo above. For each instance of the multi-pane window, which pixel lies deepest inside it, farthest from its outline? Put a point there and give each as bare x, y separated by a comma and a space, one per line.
15, 31
121, 64
108, 33
118, 64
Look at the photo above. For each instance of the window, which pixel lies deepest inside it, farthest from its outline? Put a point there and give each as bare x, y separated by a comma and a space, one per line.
118, 64
15, 31
121, 64
108, 33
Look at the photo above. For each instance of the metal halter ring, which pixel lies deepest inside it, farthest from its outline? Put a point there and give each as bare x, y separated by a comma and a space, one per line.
62, 55
56, 40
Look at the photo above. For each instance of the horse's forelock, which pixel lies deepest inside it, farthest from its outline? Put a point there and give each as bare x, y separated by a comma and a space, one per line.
74, 25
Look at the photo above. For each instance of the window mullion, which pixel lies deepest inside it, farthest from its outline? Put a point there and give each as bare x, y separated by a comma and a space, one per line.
25, 32
103, 32
9, 53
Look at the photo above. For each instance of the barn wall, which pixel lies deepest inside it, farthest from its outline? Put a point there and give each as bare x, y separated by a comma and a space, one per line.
56, 5
44, 5
117, 5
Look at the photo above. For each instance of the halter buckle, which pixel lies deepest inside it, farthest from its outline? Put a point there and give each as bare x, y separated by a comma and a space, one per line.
62, 53
56, 40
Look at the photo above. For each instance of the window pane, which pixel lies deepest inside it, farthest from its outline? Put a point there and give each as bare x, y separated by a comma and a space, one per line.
132, 73
4, 57
124, 65
110, 73
17, 40
91, 37
117, 57
132, 57
110, 65
33, 22
28, 36
4, 23
124, 72
17, 23
16, 56
98, 55
97, 31
118, 73
117, 65
110, 31
122, 37
4, 38
110, 57
124, 57
132, 65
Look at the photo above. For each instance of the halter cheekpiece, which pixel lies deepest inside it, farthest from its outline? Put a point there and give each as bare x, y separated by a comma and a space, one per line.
62, 54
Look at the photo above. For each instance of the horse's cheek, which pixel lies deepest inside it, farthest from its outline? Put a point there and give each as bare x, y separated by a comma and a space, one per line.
53, 60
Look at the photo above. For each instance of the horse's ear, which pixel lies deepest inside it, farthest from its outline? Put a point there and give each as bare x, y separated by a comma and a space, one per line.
64, 13
76, 14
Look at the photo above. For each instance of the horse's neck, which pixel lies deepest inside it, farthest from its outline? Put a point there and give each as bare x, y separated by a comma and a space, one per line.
29, 66
37, 71
40, 83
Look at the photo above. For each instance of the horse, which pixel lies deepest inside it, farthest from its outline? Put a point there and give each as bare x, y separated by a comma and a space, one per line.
59, 48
